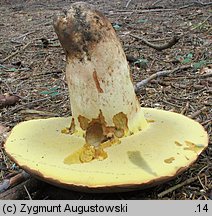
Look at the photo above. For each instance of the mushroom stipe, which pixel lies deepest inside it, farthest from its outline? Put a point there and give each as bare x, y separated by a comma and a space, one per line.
109, 143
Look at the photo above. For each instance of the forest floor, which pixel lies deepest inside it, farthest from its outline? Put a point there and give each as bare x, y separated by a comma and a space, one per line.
32, 65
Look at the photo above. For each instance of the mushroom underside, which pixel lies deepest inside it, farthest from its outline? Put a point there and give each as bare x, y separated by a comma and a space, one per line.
170, 144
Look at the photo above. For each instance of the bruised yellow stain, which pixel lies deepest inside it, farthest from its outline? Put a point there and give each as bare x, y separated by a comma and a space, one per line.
89, 152
178, 143
186, 158
73, 158
109, 143
86, 154
120, 121
71, 129
83, 121
169, 160
119, 133
150, 120
98, 135
96, 80
100, 154
192, 146
65, 130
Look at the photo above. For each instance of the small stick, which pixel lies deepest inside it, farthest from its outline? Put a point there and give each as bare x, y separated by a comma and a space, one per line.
207, 121
159, 74
16, 52
27, 192
195, 114
186, 182
170, 43
128, 3
153, 4
171, 104
159, 39
145, 10
196, 3
206, 75
203, 186
18, 192
17, 179
185, 108
21, 36
125, 12
200, 24
197, 26
158, 47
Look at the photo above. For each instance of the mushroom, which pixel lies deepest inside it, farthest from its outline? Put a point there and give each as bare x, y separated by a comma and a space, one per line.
109, 142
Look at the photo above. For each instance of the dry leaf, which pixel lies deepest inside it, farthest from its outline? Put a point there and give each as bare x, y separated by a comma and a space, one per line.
205, 70
8, 100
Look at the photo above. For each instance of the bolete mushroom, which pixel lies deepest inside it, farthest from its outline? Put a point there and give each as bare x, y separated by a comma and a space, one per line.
110, 142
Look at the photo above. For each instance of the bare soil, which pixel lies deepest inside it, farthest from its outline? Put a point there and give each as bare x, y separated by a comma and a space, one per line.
35, 73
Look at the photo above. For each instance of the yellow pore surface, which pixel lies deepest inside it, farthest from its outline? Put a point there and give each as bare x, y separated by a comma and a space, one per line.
169, 144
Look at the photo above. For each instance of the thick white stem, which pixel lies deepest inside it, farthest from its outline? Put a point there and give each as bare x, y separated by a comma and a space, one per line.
97, 70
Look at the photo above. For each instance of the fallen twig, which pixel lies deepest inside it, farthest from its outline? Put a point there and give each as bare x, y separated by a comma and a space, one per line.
153, 4
18, 192
145, 10
185, 108
27, 192
170, 43
16, 52
158, 47
200, 24
159, 74
23, 36
33, 114
207, 121
125, 12
195, 114
171, 104
17, 179
196, 3
186, 182
128, 3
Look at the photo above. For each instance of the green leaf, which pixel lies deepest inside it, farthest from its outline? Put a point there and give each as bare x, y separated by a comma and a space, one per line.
200, 64
51, 92
141, 21
188, 58
53, 88
12, 70
142, 62
2, 66
116, 27
44, 92
54, 94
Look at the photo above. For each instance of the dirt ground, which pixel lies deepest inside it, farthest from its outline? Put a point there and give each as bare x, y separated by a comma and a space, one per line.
32, 65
